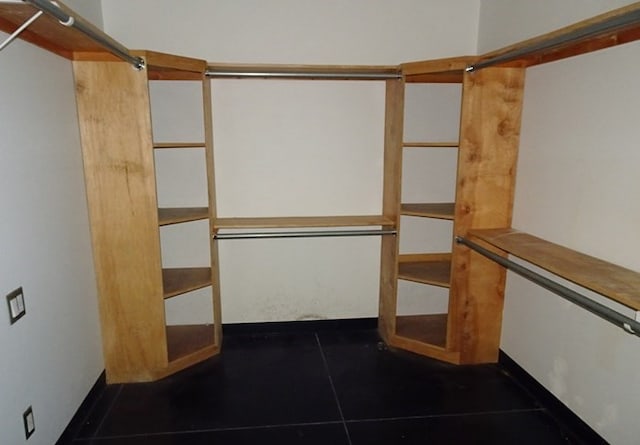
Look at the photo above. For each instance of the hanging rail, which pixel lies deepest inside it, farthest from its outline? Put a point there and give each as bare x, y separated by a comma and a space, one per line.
628, 324
84, 27
610, 24
304, 234
301, 72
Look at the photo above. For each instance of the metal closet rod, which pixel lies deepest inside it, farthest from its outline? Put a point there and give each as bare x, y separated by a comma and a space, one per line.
628, 324
627, 19
102, 39
305, 234
328, 75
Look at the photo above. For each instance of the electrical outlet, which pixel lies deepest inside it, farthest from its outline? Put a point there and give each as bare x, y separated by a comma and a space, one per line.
17, 309
29, 422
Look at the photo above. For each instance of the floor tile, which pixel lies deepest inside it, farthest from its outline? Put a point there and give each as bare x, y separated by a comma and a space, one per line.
325, 434
512, 428
374, 382
260, 380
99, 411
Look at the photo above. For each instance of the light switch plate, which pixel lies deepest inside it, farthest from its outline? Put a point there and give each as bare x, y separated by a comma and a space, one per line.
15, 301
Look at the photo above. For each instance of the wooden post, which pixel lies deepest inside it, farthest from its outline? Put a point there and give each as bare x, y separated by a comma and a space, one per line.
487, 160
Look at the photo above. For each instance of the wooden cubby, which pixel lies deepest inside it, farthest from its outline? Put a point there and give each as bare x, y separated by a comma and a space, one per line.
118, 151
488, 142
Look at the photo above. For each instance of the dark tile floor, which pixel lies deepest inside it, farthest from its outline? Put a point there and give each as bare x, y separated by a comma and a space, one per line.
325, 387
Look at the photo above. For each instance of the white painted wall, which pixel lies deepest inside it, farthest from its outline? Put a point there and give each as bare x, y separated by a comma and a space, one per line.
300, 148
52, 356
577, 185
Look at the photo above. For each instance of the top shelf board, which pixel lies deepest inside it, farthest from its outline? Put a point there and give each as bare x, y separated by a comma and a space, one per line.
162, 66
612, 28
449, 70
612, 281
46, 32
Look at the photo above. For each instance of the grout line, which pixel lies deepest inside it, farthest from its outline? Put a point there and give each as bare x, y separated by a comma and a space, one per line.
213, 430
435, 416
107, 412
333, 388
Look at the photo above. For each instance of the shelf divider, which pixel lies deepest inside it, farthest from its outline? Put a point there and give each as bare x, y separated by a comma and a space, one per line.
176, 215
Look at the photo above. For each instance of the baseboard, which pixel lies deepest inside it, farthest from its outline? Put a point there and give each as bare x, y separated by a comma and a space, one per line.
575, 425
300, 326
74, 426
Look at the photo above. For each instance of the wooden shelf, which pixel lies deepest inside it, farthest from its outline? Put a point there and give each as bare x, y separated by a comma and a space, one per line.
162, 66
612, 281
434, 268
449, 70
162, 145
430, 329
176, 281
176, 215
49, 34
430, 144
187, 340
440, 210
582, 37
302, 221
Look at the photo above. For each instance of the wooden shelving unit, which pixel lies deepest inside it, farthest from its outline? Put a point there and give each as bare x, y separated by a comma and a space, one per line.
114, 102
118, 152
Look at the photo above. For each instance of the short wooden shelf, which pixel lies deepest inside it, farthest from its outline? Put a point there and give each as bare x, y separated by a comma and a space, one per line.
186, 340
440, 210
434, 269
176, 281
430, 144
164, 145
301, 221
176, 215
612, 281
430, 329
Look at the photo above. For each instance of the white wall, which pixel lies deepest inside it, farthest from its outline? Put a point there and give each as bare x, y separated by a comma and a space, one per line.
297, 148
577, 185
52, 356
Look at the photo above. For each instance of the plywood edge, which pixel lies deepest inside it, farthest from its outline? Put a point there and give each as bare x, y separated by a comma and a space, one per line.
426, 257
610, 280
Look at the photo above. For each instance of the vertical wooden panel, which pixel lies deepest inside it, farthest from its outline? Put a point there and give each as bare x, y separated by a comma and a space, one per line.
115, 125
489, 139
211, 183
394, 122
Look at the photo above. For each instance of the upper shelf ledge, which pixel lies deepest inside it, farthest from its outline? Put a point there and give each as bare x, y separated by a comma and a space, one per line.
612, 28
612, 281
